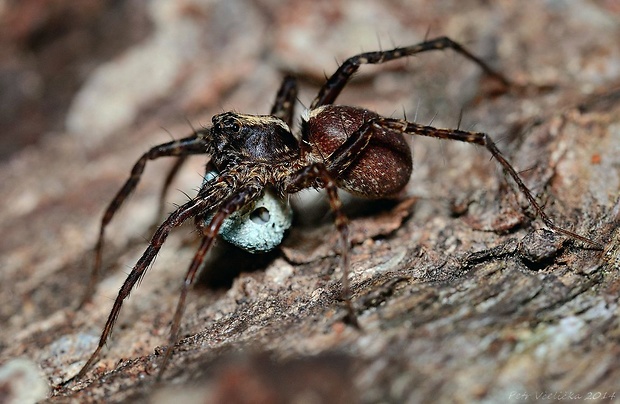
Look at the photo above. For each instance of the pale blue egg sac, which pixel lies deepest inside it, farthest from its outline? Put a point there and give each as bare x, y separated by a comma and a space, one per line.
259, 227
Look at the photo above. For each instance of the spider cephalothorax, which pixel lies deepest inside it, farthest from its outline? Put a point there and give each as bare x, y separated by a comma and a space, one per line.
338, 147
250, 138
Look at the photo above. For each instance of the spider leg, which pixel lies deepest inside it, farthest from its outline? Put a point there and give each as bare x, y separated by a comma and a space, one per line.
172, 173
284, 104
334, 85
481, 139
210, 231
307, 177
194, 144
190, 209
342, 158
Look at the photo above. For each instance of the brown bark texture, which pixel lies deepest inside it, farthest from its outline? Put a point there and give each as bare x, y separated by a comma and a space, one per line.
461, 294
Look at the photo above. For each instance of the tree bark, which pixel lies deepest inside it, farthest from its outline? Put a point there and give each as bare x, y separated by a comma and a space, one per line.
461, 294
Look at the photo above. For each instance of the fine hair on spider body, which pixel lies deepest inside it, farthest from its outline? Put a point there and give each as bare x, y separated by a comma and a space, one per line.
340, 146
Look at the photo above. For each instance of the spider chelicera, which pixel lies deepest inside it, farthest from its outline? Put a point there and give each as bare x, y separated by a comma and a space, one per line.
339, 147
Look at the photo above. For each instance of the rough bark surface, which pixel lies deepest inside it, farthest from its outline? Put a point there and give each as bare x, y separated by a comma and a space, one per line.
461, 295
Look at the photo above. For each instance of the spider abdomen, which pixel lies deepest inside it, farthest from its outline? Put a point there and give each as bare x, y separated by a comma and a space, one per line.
384, 166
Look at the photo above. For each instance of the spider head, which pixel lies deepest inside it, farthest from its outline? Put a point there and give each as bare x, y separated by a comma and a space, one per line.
255, 137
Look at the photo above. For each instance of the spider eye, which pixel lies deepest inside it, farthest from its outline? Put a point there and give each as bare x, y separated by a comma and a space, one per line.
227, 122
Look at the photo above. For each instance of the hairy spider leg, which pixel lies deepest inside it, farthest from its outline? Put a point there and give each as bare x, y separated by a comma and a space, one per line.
193, 144
283, 108
334, 85
356, 144
334, 166
243, 197
172, 173
346, 154
481, 139
205, 201
284, 104
307, 177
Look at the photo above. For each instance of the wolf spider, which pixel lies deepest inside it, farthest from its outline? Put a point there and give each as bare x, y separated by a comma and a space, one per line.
340, 147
